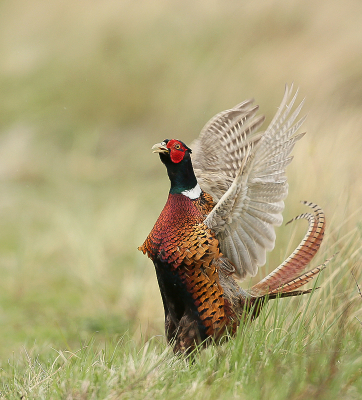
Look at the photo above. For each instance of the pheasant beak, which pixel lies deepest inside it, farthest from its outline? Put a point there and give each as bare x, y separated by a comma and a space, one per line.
160, 148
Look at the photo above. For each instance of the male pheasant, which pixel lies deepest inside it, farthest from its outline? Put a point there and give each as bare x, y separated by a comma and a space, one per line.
218, 221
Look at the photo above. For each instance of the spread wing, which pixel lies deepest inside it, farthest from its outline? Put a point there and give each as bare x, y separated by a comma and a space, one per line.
244, 171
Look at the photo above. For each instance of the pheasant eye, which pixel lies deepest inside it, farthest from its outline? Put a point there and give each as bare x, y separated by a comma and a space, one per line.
177, 146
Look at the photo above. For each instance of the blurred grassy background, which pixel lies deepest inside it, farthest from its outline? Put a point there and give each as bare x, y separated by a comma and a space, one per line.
87, 88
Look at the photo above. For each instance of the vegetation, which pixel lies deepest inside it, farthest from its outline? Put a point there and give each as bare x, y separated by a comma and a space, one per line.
86, 89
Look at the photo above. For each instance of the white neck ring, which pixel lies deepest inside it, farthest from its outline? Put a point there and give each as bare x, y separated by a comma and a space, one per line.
193, 193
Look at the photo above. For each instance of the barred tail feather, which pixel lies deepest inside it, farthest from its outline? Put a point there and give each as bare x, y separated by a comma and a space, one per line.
298, 282
286, 277
287, 294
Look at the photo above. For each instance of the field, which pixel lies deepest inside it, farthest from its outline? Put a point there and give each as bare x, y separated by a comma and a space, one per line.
87, 88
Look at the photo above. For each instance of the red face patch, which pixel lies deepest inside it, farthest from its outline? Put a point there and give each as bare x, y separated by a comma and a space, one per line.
177, 150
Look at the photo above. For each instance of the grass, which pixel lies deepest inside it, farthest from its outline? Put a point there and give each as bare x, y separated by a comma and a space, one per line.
293, 351
86, 90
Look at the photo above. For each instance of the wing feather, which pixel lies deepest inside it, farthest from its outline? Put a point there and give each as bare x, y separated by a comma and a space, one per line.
262, 233
243, 169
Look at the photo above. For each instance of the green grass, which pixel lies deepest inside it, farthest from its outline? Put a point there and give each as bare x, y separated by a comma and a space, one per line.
295, 350
86, 89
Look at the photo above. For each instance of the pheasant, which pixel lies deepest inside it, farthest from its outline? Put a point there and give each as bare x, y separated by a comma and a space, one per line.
226, 196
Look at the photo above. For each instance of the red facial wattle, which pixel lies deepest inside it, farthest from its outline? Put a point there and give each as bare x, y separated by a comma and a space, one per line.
177, 150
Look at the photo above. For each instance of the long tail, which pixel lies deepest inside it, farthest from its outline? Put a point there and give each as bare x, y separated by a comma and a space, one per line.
286, 278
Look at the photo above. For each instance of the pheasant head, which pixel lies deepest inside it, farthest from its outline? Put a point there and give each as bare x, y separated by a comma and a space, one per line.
177, 158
